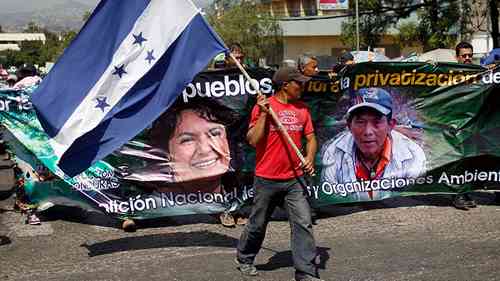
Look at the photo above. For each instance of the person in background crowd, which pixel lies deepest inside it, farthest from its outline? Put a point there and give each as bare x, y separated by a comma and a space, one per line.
6, 192
464, 52
27, 76
237, 51
3, 72
289, 63
231, 219
345, 59
11, 80
279, 174
308, 65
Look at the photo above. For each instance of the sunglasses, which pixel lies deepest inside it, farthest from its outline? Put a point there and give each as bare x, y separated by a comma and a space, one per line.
466, 56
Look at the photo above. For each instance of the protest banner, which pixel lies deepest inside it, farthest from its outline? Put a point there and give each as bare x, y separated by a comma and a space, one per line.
194, 158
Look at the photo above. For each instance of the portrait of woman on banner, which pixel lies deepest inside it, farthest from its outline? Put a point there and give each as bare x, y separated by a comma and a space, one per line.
187, 150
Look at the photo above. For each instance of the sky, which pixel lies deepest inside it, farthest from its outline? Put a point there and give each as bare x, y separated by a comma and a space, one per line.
15, 6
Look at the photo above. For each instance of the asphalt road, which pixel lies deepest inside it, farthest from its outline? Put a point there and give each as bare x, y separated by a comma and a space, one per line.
417, 238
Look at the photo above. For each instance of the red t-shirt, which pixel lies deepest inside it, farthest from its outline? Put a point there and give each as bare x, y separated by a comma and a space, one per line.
275, 158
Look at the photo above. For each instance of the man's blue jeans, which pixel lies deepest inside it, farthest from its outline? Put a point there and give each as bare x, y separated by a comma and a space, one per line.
291, 194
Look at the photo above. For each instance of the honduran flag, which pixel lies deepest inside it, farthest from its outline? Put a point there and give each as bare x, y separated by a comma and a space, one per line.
126, 66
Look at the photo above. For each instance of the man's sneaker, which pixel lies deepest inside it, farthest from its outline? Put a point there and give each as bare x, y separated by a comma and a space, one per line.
227, 220
460, 203
247, 268
497, 197
469, 202
241, 221
129, 225
32, 219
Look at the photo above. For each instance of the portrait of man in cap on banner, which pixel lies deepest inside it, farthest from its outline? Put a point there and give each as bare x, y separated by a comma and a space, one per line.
370, 149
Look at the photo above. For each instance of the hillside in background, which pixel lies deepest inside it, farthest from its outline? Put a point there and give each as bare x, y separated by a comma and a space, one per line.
55, 15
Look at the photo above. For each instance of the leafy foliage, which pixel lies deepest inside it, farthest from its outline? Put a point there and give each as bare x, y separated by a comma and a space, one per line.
36, 52
250, 25
439, 24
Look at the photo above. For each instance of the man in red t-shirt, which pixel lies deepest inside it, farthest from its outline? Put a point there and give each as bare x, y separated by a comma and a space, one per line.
279, 174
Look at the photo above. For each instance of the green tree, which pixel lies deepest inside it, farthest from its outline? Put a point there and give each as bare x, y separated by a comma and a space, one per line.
408, 34
375, 18
250, 25
440, 22
37, 52
33, 28
86, 16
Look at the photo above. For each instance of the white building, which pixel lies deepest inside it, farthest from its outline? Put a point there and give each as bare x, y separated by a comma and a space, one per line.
11, 41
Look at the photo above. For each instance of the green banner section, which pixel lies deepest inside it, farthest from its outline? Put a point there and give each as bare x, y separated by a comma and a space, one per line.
445, 137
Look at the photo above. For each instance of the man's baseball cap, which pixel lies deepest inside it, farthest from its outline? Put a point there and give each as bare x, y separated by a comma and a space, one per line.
287, 74
345, 57
376, 98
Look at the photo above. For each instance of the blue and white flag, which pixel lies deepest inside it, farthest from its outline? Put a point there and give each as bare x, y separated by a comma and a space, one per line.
127, 65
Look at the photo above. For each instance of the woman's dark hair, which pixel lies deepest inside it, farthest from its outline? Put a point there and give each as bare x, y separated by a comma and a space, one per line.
164, 127
234, 46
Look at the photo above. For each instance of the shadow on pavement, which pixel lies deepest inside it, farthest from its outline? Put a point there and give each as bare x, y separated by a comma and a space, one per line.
284, 259
7, 193
78, 215
436, 200
177, 239
4, 240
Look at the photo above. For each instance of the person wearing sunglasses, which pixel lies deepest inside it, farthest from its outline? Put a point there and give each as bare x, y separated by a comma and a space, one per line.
464, 52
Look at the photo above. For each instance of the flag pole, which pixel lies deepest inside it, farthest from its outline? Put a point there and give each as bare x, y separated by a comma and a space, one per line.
281, 128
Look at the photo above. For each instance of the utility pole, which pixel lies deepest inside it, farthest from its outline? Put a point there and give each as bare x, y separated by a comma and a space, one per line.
493, 5
357, 26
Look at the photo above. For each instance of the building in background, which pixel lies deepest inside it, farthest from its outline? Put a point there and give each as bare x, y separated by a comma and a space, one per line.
11, 41
315, 26
481, 26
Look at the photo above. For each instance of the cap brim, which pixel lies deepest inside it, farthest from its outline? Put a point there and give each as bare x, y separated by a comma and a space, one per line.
377, 107
301, 78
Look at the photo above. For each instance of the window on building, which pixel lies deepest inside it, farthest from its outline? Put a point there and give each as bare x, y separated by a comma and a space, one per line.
310, 8
293, 7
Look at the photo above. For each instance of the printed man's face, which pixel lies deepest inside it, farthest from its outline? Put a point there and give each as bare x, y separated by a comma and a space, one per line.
370, 129
199, 148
